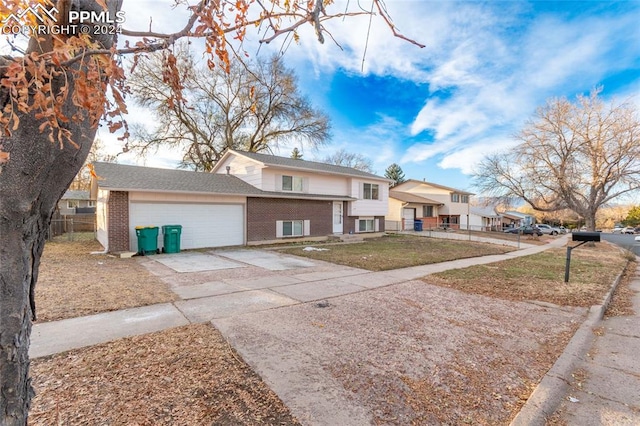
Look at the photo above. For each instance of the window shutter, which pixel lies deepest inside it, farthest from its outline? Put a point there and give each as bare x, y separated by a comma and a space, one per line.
376, 225
279, 184
306, 228
357, 228
305, 184
279, 233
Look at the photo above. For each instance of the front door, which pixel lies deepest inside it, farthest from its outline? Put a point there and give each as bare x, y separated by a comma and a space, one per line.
337, 217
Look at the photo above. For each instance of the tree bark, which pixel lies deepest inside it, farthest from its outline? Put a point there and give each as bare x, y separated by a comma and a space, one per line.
31, 183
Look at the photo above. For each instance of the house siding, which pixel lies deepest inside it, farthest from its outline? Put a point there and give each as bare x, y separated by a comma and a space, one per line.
118, 221
262, 214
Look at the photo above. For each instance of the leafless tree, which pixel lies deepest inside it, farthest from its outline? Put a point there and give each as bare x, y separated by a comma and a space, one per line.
252, 107
572, 155
349, 159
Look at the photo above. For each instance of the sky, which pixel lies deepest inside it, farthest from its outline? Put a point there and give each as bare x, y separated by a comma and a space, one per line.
436, 111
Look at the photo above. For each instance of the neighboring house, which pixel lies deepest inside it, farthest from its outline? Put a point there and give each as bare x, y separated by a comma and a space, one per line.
435, 205
306, 198
514, 218
405, 208
248, 198
482, 219
76, 202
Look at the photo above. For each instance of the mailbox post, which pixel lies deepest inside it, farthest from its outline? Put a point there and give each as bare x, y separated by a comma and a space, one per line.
583, 237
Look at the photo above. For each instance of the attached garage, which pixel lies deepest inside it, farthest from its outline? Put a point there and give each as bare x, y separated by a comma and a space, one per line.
211, 208
203, 225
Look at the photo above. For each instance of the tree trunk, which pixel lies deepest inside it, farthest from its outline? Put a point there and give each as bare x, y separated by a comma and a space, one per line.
31, 183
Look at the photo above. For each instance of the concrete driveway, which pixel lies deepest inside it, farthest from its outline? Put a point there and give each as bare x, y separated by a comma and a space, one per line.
225, 283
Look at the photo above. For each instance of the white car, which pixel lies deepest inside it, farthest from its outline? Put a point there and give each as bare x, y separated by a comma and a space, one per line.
637, 238
618, 230
547, 229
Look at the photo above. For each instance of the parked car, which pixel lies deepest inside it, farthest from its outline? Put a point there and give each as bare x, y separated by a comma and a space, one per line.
617, 229
562, 229
525, 230
547, 229
629, 230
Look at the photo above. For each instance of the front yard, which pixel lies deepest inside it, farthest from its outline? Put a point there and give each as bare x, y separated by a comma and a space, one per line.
420, 365
397, 251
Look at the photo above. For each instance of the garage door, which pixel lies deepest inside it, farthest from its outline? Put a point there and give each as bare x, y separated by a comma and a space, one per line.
203, 225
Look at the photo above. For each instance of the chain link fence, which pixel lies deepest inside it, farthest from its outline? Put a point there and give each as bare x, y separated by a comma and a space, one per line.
78, 227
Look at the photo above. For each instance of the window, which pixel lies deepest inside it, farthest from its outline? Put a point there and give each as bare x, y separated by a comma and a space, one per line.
370, 191
292, 228
365, 225
91, 203
72, 204
464, 199
292, 183
427, 211
455, 198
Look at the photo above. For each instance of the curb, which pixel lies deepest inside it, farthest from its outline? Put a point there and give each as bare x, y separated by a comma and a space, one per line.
551, 390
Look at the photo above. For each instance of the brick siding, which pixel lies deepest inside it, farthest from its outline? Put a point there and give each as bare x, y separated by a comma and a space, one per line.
262, 214
118, 220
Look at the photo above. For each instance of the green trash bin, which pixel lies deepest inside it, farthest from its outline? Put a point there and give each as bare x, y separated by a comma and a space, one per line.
147, 239
172, 235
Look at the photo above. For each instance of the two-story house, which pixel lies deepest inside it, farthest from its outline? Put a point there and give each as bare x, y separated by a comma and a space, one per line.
306, 198
247, 199
436, 205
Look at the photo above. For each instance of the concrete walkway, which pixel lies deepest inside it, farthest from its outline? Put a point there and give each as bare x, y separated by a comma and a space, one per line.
610, 397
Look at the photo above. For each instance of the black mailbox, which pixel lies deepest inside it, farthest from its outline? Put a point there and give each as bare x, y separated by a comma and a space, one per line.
586, 236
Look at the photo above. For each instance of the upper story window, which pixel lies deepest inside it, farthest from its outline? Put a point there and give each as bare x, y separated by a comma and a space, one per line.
292, 183
459, 198
72, 204
370, 191
91, 203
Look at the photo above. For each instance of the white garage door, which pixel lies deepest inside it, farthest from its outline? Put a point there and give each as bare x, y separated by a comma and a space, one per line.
203, 225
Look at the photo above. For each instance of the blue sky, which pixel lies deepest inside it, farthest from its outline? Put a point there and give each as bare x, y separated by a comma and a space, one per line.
436, 111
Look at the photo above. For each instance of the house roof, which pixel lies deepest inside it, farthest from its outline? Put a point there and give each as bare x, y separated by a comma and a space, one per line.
517, 214
121, 177
75, 195
408, 197
136, 178
435, 185
299, 164
484, 212
511, 216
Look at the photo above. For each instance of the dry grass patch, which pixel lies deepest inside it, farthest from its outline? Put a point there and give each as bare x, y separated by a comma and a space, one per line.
399, 251
72, 282
187, 375
528, 239
541, 276
621, 303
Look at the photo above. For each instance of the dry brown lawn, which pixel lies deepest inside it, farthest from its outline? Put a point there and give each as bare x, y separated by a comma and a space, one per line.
398, 251
73, 283
541, 276
183, 376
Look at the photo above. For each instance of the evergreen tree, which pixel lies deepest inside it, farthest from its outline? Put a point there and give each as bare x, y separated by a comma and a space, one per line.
395, 173
296, 154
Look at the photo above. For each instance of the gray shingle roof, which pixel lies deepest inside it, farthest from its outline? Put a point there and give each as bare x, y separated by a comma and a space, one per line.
130, 178
292, 163
75, 195
136, 178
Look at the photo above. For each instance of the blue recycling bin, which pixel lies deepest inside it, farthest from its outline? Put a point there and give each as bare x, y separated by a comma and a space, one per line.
417, 225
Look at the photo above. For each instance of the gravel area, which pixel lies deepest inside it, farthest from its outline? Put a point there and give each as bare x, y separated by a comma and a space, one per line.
407, 354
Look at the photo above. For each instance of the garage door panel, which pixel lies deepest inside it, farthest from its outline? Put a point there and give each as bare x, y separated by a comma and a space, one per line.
203, 225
